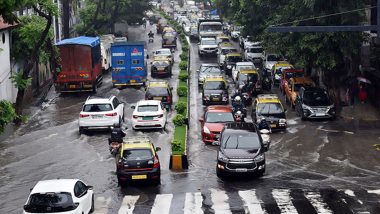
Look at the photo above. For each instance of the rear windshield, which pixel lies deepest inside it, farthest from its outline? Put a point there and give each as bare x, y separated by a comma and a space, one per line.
97, 107
211, 70
248, 77
137, 154
147, 108
50, 203
234, 59
208, 42
227, 51
241, 141
158, 91
316, 98
219, 117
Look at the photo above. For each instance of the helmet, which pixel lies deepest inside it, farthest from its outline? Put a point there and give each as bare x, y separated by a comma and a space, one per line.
237, 98
116, 125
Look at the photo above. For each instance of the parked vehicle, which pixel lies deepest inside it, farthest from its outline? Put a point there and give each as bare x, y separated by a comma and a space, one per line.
138, 161
100, 112
241, 150
293, 86
269, 106
149, 114
208, 70
314, 102
213, 121
230, 62
129, 64
70, 196
287, 74
161, 66
207, 46
160, 90
215, 91
81, 64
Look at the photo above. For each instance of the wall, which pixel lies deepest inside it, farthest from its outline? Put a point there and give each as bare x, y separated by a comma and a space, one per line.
7, 89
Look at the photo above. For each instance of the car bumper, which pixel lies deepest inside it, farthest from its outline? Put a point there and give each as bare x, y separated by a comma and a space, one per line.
153, 174
315, 115
225, 168
209, 52
210, 138
148, 124
98, 124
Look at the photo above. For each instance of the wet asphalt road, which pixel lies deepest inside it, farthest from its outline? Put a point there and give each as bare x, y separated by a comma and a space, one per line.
334, 160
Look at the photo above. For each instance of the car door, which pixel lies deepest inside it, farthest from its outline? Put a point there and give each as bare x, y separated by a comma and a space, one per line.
82, 196
118, 107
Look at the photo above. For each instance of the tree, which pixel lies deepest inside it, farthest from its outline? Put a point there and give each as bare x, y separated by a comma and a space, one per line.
7, 114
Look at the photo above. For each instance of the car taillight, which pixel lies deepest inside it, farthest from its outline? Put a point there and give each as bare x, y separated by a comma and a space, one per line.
169, 99
156, 162
160, 116
135, 116
112, 114
83, 115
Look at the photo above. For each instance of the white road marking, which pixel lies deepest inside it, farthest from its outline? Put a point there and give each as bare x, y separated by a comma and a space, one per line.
317, 202
349, 192
220, 202
128, 204
162, 204
101, 205
251, 202
284, 202
376, 191
193, 203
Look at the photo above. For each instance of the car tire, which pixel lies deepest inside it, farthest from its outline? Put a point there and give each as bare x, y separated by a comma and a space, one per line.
261, 173
92, 205
81, 130
219, 173
121, 183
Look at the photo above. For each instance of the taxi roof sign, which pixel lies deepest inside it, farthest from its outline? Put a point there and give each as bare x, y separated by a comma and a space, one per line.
267, 96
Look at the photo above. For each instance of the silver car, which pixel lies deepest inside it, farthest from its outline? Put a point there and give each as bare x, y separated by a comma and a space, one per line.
206, 70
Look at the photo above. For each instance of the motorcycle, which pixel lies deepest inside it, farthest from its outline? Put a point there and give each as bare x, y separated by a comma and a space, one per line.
266, 137
267, 83
239, 113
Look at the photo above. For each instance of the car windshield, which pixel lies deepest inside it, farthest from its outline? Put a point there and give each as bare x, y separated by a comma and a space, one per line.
147, 108
248, 77
97, 107
234, 59
245, 67
163, 52
228, 50
214, 85
273, 58
211, 70
269, 108
157, 91
207, 67
219, 117
316, 98
208, 42
255, 50
211, 27
289, 75
50, 203
137, 154
241, 141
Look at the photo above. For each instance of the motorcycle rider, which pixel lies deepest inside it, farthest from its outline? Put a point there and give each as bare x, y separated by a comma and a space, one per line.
117, 134
263, 124
151, 34
237, 103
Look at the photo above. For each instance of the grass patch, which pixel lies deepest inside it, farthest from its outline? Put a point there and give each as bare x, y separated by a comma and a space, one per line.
182, 83
182, 99
179, 141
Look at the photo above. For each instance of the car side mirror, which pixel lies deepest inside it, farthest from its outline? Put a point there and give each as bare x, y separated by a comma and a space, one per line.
201, 120
90, 187
285, 110
133, 107
158, 149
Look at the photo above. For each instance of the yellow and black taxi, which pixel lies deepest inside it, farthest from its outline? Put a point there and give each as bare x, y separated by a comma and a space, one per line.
269, 106
161, 66
215, 90
138, 161
160, 90
230, 61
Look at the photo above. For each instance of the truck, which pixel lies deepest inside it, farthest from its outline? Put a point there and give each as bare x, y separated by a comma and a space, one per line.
105, 48
81, 66
128, 64
209, 28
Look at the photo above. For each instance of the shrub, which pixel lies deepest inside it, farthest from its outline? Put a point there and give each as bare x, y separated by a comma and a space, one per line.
184, 56
177, 146
185, 47
183, 65
181, 107
182, 91
179, 120
183, 76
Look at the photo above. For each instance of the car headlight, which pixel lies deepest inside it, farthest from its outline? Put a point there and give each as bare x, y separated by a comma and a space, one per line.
206, 130
330, 107
259, 157
222, 157
282, 121
306, 107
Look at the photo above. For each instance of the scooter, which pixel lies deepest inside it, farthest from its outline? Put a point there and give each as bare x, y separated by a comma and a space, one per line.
266, 137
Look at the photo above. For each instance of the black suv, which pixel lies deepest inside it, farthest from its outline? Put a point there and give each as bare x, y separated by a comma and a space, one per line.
314, 102
241, 150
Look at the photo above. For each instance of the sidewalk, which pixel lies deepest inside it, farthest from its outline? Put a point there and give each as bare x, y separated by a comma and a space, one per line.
361, 111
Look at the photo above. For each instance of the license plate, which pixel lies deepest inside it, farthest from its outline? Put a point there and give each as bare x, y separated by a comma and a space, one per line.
241, 170
72, 86
147, 118
97, 116
132, 81
157, 98
138, 177
215, 99
273, 125
320, 114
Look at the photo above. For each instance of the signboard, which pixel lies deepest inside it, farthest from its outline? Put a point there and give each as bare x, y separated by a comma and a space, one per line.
136, 52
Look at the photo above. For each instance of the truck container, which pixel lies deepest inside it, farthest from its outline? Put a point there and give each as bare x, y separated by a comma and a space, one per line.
128, 64
210, 27
81, 67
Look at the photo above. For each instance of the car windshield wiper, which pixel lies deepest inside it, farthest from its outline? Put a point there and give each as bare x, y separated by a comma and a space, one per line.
225, 144
237, 145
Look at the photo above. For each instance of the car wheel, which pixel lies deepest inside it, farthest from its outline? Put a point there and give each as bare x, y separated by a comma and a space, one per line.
92, 204
261, 173
219, 173
81, 130
121, 183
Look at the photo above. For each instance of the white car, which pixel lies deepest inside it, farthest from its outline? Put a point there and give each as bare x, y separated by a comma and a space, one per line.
100, 113
254, 53
270, 59
70, 196
149, 114
241, 66
207, 46
164, 52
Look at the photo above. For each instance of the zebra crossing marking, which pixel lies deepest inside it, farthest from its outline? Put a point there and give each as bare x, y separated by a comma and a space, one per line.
101, 204
128, 204
317, 202
162, 204
251, 203
284, 201
220, 203
193, 203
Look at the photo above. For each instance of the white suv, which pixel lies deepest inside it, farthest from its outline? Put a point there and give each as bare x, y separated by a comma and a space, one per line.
149, 114
60, 196
101, 113
207, 46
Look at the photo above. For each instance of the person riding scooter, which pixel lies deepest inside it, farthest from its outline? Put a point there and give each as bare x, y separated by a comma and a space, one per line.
239, 108
116, 139
263, 124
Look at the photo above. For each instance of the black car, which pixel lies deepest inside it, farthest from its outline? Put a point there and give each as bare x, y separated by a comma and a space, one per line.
241, 150
314, 102
215, 91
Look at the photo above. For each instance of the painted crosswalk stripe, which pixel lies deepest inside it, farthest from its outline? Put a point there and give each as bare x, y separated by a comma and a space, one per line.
162, 204
251, 202
317, 202
128, 204
193, 203
283, 200
101, 205
220, 202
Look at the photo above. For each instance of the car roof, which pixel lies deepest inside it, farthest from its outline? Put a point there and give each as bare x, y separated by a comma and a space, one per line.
225, 44
227, 47
268, 98
163, 49
282, 63
248, 71
214, 78
244, 63
160, 58
240, 127
207, 38
209, 65
137, 142
54, 185
98, 100
148, 102
219, 108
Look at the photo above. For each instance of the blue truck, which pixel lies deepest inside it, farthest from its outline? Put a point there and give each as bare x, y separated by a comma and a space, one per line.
129, 64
